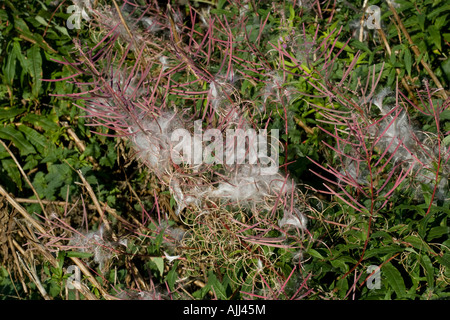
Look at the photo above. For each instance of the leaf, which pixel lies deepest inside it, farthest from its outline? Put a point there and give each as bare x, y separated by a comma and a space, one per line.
219, 290
394, 279
408, 61
41, 20
446, 141
338, 263
214, 283
418, 243
444, 260
379, 252
425, 262
172, 276
13, 172
421, 18
77, 254
437, 11
314, 253
25, 32
391, 77
63, 30
9, 70
58, 176
12, 134
445, 115
435, 36
10, 113
55, 289
18, 52
34, 64
43, 122
437, 232
360, 46
441, 21
157, 243
38, 140
159, 262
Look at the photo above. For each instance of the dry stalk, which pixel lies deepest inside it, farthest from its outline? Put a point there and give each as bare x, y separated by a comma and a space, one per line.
416, 50
403, 80
16, 261
96, 203
25, 177
31, 272
41, 248
21, 210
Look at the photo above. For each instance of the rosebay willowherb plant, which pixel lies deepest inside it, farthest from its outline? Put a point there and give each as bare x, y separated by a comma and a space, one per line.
194, 90
375, 155
378, 153
158, 74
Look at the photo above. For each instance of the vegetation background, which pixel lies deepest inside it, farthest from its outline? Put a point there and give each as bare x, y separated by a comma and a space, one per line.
373, 180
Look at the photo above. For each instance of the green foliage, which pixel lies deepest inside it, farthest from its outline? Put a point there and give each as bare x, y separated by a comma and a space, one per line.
408, 238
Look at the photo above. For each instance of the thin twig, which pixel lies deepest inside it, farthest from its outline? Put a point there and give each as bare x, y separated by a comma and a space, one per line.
95, 200
416, 50
125, 24
21, 210
16, 261
25, 177
33, 277
305, 127
91, 278
403, 80
78, 142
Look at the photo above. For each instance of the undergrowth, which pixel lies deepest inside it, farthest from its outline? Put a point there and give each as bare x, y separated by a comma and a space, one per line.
94, 206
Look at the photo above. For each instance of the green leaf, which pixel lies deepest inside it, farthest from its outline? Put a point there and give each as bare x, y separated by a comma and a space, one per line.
77, 254
446, 141
214, 283
441, 21
444, 260
41, 20
392, 76
38, 121
10, 113
437, 232
172, 276
159, 262
38, 140
379, 252
418, 243
360, 46
435, 36
314, 253
438, 11
9, 70
338, 263
23, 29
55, 289
12, 134
425, 262
394, 279
34, 63
18, 52
445, 115
13, 172
408, 61
421, 18
219, 290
